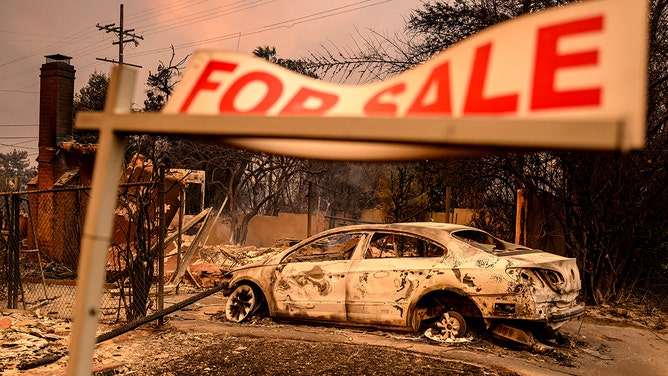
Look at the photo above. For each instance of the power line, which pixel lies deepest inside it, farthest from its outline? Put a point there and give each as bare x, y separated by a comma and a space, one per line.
174, 8
19, 91
18, 147
283, 24
21, 88
170, 24
203, 16
86, 50
46, 36
19, 125
81, 52
122, 34
21, 143
67, 41
62, 41
195, 17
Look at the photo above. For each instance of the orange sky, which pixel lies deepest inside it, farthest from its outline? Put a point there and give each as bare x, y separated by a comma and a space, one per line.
31, 29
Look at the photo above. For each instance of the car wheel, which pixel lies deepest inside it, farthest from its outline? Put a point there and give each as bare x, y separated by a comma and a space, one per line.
241, 304
449, 327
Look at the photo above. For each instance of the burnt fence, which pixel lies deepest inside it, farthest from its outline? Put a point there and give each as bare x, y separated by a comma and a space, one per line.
40, 246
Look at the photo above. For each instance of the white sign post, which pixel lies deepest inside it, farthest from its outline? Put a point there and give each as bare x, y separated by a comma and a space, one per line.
572, 77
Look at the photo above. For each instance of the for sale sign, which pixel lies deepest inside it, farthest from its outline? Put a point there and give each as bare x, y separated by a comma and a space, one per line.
555, 71
571, 77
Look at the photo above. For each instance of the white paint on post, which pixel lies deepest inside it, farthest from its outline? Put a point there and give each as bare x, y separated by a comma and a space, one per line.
98, 227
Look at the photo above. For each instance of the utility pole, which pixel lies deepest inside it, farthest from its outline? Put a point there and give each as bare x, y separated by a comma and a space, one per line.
122, 34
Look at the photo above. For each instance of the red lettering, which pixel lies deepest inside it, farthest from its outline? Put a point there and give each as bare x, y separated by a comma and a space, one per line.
296, 106
374, 107
475, 102
549, 61
203, 82
440, 77
274, 90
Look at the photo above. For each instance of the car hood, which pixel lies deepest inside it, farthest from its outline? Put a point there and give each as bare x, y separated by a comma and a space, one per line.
251, 265
271, 260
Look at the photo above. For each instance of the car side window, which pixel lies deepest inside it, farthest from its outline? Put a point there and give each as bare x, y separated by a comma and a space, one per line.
330, 248
397, 245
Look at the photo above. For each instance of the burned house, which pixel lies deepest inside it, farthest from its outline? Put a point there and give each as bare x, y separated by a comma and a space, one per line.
58, 203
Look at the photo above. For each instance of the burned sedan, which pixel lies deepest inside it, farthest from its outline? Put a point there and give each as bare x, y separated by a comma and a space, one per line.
406, 275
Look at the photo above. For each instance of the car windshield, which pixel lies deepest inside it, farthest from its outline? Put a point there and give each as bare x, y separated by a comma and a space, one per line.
330, 248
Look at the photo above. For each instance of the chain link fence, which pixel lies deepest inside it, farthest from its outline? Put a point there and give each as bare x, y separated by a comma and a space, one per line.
40, 247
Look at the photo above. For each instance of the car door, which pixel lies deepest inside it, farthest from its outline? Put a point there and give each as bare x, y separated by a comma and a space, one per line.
310, 283
382, 283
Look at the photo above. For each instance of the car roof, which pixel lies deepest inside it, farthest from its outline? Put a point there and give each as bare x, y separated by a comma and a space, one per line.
434, 230
417, 227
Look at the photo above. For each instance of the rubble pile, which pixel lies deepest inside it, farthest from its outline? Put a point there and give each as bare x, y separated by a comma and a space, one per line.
29, 340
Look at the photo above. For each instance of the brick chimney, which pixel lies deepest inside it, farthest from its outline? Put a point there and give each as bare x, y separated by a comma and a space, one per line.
53, 212
55, 114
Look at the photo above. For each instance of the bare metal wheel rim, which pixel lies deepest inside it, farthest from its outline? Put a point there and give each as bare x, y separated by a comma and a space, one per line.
240, 303
449, 326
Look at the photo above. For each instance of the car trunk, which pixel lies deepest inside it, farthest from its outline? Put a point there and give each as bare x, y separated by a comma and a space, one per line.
548, 272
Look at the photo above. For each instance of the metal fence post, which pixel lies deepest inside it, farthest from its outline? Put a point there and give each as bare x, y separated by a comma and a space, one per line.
182, 208
161, 243
13, 272
14, 287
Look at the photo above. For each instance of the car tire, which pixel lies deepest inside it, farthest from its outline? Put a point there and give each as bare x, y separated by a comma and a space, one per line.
242, 303
449, 327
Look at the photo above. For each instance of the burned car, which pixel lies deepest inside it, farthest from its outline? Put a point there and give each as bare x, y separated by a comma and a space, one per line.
405, 276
